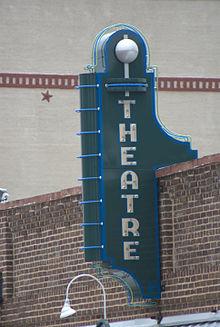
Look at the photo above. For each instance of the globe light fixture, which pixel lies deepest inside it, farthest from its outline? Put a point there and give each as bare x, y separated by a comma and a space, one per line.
126, 51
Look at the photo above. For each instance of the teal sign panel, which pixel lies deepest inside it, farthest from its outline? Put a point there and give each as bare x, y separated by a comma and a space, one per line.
123, 144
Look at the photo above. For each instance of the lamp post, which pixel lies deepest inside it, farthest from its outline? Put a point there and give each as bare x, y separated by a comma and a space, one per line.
67, 310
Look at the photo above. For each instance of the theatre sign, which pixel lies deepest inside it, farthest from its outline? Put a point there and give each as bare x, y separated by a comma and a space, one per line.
123, 143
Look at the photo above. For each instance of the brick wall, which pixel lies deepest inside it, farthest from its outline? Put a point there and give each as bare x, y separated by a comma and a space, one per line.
40, 252
190, 235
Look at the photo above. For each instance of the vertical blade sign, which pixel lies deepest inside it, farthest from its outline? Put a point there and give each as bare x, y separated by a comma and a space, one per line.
123, 143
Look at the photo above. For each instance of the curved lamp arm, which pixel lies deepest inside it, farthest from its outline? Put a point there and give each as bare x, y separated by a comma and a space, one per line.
96, 279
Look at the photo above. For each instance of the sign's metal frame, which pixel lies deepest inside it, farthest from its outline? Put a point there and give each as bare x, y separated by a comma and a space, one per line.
123, 143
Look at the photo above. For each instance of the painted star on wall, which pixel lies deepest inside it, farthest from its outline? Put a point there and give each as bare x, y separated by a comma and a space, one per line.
46, 96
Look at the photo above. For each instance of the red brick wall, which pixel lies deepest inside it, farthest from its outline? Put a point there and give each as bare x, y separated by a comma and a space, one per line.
40, 252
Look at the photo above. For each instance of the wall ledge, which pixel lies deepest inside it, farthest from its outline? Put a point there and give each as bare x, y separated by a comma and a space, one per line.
187, 165
42, 198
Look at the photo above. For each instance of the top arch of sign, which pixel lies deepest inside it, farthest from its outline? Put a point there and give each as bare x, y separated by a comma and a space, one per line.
98, 63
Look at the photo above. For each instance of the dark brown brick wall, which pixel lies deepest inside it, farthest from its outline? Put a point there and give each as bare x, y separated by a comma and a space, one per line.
190, 235
40, 252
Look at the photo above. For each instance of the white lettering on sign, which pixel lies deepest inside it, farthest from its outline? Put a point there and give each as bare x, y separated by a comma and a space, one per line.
129, 181
130, 201
129, 253
132, 132
125, 156
129, 177
127, 107
130, 225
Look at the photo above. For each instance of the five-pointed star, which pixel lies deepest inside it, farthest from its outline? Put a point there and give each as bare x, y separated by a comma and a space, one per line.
46, 96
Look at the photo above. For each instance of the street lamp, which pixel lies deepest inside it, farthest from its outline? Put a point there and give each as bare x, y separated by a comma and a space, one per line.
67, 310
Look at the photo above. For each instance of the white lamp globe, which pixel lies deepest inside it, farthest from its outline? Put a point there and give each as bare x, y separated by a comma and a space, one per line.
126, 51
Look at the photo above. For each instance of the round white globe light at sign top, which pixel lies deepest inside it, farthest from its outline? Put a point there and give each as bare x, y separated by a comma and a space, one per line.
126, 51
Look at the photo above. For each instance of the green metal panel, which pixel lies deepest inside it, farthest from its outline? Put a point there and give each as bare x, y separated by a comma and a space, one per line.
124, 247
